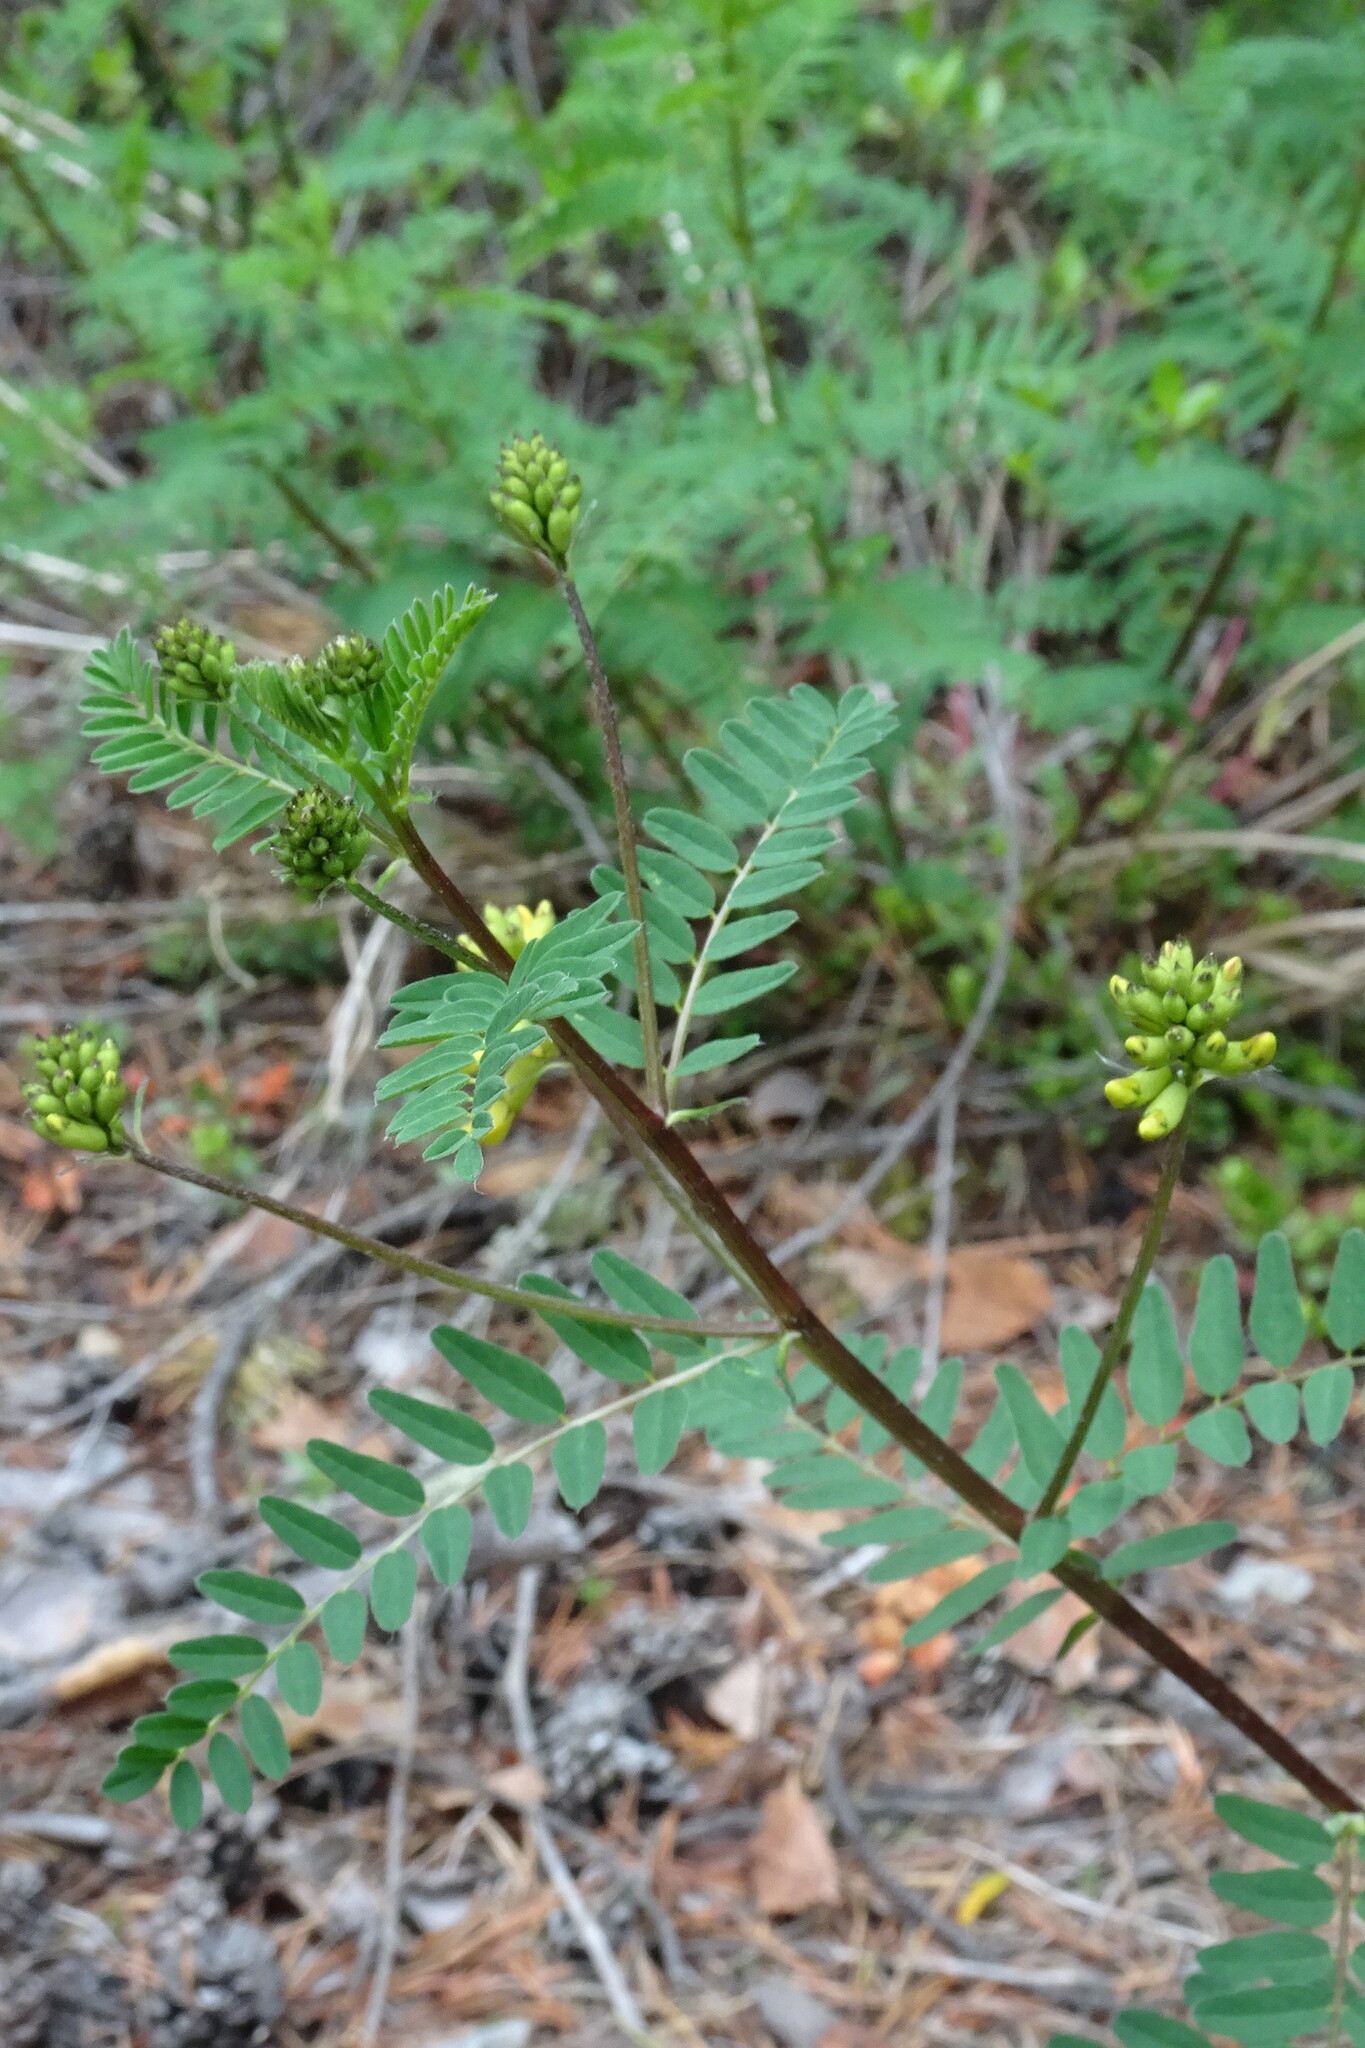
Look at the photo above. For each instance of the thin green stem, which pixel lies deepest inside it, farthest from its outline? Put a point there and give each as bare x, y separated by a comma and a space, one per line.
345, 551
427, 1269
1118, 1334
625, 840
11, 156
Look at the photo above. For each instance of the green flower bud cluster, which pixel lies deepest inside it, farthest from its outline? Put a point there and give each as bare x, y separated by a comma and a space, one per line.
195, 662
1182, 1005
346, 666
321, 841
77, 1096
538, 497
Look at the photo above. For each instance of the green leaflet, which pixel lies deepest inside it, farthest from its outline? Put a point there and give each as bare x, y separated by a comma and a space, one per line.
580, 1459
1095, 1507
1043, 1544
1173, 1546
615, 1036
504, 1378
168, 1733
393, 1586
1253, 1956
741, 933
253, 1597
961, 1603
263, 1736
727, 991
630, 1287
717, 1052
317, 1539
1326, 1400
1149, 1469
1293, 1837
657, 1425
1041, 1442
202, 1699
230, 1772
1295, 1897
456, 1438
1156, 1367
1080, 1360
908, 1560
1345, 1307
388, 1489
1017, 1617
677, 883
693, 839
218, 1656
186, 1795
1217, 1347
446, 1535
298, 1673
895, 1525
605, 1347
1277, 1319
343, 1621
508, 1490
1221, 1434
134, 1772
1273, 1406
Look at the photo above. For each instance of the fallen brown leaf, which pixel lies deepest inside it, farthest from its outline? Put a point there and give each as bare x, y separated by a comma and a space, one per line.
792, 1865
110, 1664
990, 1299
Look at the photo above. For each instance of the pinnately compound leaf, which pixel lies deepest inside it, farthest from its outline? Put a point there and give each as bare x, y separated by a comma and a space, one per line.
317, 1539
508, 1490
298, 1674
1173, 1546
580, 1459
253, 1597
1277, 1320
446, 1536
1326, 1400
393, 1584
1293, 1837
1345, 1311
230, 1772
389, 1489
343, 1621
506, 1379
456, 1438
1217, 1347
1156, 1369
263, 1736
218, 1656
186, 1794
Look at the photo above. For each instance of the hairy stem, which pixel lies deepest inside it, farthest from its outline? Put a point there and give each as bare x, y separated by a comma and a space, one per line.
625, 840
1123, 1321
427, 1269
639, 1122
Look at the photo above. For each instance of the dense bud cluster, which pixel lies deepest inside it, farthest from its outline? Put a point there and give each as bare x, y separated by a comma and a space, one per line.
77, 1096
347, 665
538, 497
1182, 1007
321, 841
195, 662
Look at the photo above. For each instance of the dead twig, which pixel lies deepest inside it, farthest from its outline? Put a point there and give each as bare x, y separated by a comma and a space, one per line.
395, 1831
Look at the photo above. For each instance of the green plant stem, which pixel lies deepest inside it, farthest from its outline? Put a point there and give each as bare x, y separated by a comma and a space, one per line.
625, 840
1118, 1334
712, 1214
428, 1269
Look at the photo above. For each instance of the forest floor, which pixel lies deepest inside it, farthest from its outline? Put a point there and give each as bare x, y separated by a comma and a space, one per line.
788, 1831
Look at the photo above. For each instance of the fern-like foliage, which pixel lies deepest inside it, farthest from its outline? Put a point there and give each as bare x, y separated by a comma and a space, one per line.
477, 1026
160, 741
782, 770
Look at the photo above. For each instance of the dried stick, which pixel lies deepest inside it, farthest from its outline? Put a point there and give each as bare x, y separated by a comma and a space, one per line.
395, 1831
